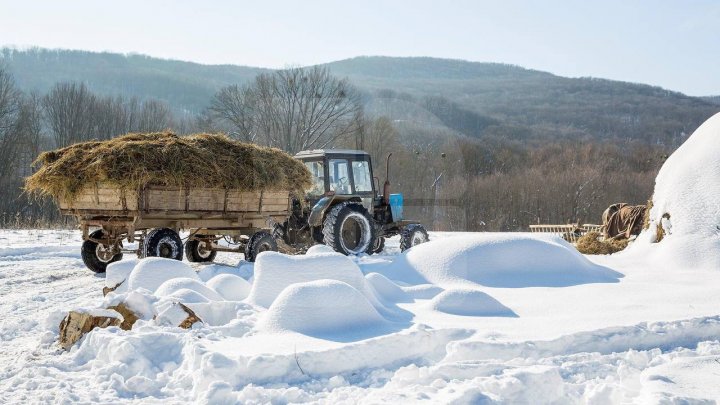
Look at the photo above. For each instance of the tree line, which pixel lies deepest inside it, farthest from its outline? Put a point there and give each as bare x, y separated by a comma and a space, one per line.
459, 169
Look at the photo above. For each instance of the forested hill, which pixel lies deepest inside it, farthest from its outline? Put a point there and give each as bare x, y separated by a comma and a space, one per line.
473, 99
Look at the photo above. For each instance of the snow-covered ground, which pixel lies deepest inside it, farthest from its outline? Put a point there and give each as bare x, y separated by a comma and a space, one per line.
608, 330
465, 318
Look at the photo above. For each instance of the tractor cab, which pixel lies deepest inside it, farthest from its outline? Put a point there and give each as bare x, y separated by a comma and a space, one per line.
343, 173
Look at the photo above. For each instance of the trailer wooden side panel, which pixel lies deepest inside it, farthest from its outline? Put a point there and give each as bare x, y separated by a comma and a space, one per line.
104, 197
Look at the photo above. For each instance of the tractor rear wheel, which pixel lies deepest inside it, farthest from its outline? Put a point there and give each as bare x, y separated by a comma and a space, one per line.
97, 256
259, 242
163, 242
412, 235
348, 229
199, 250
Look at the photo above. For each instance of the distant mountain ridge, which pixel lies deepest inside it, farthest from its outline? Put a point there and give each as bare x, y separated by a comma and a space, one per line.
491, 99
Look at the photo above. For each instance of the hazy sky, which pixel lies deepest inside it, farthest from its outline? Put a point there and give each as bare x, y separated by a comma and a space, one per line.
674, 44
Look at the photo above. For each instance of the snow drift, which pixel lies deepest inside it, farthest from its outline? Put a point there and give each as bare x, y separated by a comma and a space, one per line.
151, 272
499, 260
467, 302
686, 204
326, 309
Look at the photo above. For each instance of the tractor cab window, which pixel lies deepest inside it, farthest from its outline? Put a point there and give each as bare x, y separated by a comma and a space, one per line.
318, 177
361, 176
339, 181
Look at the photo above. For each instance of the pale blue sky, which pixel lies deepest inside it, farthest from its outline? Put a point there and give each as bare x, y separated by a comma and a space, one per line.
673, 44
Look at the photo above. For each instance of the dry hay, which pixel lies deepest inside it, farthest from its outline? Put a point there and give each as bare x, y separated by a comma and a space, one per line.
659, 231
590, 244
133, 161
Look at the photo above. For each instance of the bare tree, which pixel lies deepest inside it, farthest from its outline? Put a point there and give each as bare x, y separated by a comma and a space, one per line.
10, 106
235, 107
68, 109
154, 115
292, 109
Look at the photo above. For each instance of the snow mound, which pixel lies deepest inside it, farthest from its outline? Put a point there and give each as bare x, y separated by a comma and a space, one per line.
118, 272
422, 291
151, 272
461, 301
230, 286
317, 249
499, 260
386, 289
323, 308
275, 271
686, 190
171, 286
187, 296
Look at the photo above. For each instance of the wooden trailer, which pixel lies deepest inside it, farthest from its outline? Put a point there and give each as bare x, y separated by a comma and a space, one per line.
155, 215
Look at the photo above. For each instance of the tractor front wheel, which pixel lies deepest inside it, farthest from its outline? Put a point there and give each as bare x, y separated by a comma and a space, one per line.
348, 229
412, 235
97, 256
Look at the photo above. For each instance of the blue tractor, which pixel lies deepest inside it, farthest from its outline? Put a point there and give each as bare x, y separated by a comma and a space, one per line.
344, 209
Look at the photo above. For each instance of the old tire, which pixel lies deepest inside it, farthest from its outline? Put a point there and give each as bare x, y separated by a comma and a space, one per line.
379, 245
412, 235
348, 229
163, 242
259, 242
92, 254
197, 251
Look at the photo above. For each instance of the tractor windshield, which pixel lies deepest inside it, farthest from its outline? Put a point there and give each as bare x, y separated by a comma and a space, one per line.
318, 177
361, 176
339, 181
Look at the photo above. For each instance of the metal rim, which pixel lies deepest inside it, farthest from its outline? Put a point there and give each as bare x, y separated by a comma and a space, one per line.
166, 247
202, 249
103, 253
417, 238
263, 247
349, 231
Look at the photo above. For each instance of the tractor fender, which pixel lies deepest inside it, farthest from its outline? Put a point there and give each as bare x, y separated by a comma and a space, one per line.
317, 214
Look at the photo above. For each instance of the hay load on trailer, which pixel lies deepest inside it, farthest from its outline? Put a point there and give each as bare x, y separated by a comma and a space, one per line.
148, 187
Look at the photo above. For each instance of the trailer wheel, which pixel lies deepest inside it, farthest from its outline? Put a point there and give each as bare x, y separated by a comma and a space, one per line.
412, 235
163, 242
348, 228
97, 256
259, 242
379, 245
199, 251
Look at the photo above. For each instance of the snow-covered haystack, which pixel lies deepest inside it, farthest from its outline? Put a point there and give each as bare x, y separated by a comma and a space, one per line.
499, 260
467, 302
150, 273
323, 308
276, 271
686, 202
386, 289
175, 285
118, 272
230, 286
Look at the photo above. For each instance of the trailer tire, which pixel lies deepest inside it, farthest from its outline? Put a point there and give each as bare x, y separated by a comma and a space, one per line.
195, 251
89, 254
379, 245
163, 242
412, 235
259, 242
359, 235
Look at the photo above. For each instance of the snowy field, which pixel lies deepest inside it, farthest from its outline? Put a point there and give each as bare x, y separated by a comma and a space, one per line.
542, 326
465, 318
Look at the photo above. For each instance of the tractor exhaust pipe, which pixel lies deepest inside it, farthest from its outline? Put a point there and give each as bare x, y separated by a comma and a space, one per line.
386, 185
